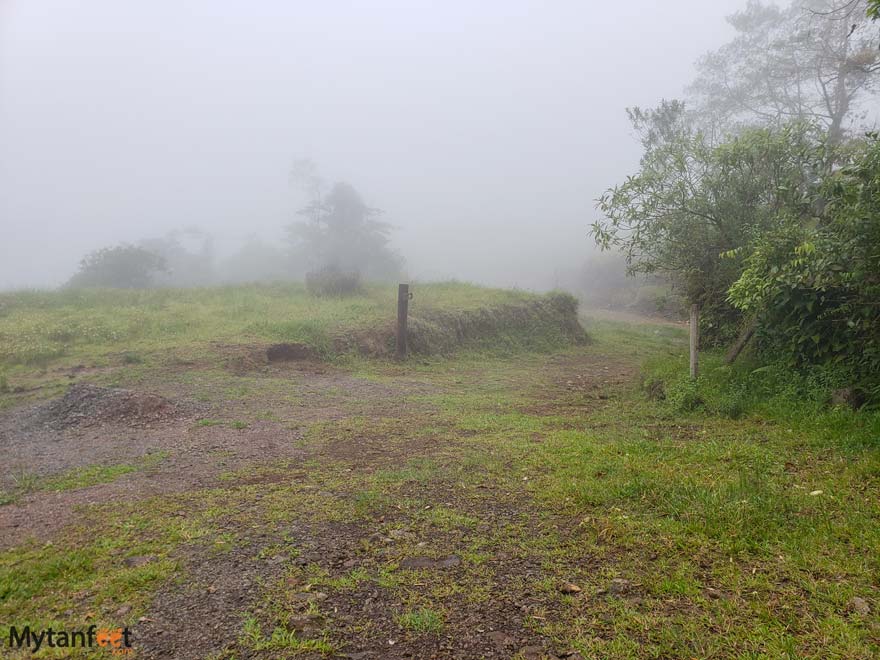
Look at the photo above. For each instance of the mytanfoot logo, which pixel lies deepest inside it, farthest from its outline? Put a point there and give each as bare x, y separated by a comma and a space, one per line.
115, 640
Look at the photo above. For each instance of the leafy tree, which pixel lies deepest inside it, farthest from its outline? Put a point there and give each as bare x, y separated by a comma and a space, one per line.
815, 286
342, 233
815, 60
123, 266
691, 202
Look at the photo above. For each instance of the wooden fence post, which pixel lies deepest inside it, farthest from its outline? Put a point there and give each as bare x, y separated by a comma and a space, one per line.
403, 296
695, 340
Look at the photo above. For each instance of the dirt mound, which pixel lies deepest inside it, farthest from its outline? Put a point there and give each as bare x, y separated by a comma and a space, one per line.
290, 352
90, 405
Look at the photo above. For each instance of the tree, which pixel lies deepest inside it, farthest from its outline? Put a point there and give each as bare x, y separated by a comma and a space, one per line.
342, 233
693, 201
815, 286
815, 60
184, 267
123, 267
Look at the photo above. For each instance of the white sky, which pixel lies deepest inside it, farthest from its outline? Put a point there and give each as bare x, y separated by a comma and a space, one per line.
485, 130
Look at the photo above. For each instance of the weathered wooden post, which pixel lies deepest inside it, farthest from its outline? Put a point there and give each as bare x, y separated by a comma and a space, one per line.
695, 340
403, 296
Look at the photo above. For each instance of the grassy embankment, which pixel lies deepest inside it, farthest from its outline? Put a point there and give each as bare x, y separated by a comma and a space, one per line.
101, 328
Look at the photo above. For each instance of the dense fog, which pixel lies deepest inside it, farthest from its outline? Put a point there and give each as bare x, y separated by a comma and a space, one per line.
483, 131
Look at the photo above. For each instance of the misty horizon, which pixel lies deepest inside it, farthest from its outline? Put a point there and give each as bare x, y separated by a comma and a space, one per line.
483, 133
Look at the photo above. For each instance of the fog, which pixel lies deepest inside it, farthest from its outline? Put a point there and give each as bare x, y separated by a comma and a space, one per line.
484, 130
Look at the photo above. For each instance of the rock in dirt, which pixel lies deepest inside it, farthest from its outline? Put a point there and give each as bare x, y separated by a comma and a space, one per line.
619, 587
569, 588
310, 596
860, 606
133, 562
307, 624
848, 396
500, 639
532, 653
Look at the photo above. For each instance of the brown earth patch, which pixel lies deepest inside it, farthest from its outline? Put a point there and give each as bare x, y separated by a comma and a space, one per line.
290, 353
85, 405
204, 614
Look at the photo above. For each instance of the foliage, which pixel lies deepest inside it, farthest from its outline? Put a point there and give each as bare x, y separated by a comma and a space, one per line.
814, 60
332, 281
185, 267
760, 387
754, 203
342, 232
122, 267
692, 201
815, 285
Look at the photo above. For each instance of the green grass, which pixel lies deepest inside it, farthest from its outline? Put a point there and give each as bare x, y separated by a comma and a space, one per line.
743, 510
776, 506
81, 477
279, 639
37, 581
422, 620
38, 327
99, 474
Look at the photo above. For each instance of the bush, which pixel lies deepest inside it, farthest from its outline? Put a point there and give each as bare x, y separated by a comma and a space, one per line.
333, 281
120, 267
684, 396
814, 286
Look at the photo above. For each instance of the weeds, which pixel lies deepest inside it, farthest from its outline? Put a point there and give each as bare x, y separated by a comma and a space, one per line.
279, 640
422, 620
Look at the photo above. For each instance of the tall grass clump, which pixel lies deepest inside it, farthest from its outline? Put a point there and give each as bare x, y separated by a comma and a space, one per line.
800, 399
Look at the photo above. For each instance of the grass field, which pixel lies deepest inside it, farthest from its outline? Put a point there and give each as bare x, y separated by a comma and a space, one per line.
44, 334
40, 326
507, 505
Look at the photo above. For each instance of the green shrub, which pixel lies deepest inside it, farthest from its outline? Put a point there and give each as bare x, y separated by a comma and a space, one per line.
120, 267
333, 281
813, 283
684, 396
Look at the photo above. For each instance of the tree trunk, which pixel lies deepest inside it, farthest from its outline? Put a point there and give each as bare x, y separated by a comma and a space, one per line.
841, 98
741, 342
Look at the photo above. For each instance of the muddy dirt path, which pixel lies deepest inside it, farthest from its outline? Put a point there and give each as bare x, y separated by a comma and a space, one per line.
360, 517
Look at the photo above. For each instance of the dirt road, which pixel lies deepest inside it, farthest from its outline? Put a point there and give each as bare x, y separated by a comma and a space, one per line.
366, 513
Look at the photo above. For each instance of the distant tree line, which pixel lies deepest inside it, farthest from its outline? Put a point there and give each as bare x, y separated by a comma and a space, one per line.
339, 244
760, 196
